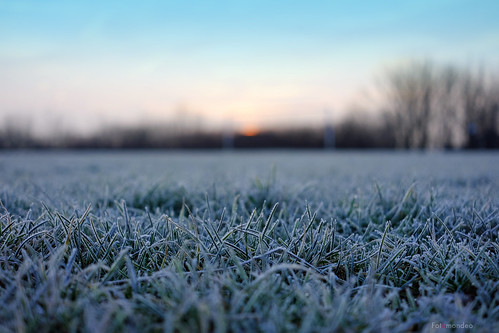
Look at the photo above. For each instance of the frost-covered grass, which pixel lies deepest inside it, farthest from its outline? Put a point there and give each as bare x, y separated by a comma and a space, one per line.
274, 241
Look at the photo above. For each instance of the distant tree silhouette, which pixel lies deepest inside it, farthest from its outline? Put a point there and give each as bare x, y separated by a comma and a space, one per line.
410, 93
481, 110
359, 130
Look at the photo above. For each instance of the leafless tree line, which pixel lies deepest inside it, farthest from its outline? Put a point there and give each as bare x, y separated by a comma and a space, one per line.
436, 106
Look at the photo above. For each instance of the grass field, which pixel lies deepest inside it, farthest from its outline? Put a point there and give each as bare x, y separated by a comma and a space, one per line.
249, 241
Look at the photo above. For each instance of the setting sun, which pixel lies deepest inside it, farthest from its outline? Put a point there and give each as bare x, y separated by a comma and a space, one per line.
250, 131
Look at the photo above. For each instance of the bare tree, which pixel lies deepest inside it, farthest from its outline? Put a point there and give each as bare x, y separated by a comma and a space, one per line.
409, 93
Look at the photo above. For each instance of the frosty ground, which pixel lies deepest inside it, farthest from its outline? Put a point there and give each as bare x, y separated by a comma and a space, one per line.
249, 241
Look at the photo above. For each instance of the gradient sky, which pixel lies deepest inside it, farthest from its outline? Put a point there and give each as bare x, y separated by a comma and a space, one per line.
79, 65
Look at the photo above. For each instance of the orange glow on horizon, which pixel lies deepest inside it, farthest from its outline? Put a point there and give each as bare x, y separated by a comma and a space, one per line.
250, 131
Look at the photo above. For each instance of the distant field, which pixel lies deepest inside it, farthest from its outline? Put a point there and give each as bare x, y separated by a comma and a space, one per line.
249, 241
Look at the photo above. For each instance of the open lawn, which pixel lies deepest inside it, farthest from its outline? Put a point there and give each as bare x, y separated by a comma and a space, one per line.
249, 241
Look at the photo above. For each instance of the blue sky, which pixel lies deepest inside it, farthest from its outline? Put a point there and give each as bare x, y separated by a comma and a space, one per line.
84, 64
